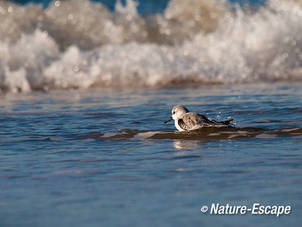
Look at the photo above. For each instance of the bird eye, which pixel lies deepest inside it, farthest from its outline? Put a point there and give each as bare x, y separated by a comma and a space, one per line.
173, 112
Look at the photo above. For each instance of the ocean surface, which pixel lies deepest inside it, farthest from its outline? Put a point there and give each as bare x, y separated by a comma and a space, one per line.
85, 88
104, 157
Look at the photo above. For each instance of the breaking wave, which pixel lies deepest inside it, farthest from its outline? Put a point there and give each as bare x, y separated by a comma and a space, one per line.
80, 44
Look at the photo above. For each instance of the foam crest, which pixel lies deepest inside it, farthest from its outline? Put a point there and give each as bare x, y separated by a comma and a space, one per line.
80, 44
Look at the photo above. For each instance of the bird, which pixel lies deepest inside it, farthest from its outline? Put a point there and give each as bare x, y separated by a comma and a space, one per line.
185, 120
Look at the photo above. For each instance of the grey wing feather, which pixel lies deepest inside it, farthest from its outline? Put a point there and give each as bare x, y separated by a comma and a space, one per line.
194, 121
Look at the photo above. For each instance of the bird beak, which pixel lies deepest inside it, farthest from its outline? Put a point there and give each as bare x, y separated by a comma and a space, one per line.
170, 119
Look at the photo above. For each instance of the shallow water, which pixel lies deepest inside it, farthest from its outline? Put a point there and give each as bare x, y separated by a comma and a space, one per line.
62, 163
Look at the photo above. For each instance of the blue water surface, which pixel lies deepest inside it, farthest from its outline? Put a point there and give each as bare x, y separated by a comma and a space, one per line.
57, 170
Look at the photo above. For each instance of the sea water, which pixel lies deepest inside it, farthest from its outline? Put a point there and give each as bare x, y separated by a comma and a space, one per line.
82, 44
85, 91
63, 164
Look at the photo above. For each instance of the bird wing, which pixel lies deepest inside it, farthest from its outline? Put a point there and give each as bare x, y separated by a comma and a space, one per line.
192, 121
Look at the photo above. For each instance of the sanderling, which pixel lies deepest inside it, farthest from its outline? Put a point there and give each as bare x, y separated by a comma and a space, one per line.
187, 121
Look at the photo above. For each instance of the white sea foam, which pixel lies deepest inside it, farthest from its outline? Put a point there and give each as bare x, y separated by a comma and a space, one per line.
211, 42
